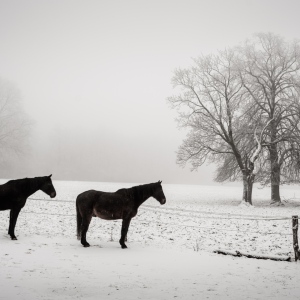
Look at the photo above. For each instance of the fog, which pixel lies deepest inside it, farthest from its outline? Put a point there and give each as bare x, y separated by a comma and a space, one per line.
94, 77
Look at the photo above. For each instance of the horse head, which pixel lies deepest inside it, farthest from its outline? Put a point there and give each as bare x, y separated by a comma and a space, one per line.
158, 193
47, 186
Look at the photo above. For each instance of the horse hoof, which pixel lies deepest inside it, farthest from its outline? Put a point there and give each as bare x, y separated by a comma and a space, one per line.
124, 246
86, 245
14, 238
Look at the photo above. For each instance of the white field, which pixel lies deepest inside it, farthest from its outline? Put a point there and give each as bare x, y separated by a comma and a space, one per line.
170, 248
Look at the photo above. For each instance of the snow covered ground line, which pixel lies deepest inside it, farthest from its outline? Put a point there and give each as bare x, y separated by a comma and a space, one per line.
170, 248
194, 217
47, 267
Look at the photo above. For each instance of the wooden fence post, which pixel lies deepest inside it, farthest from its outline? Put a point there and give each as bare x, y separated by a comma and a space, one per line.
295, 236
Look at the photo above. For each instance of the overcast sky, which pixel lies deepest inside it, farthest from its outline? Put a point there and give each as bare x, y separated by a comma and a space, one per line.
94, 76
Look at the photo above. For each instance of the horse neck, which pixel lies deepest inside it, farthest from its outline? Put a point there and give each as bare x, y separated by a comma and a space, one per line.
142, 193
34, 185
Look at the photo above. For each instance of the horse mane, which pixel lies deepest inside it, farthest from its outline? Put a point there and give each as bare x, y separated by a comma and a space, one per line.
34, 182
138, 191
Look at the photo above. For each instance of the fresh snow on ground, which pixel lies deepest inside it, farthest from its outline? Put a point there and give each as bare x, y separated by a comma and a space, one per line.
170, 247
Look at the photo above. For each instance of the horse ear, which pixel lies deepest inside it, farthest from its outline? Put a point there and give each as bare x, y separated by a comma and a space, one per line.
50, 176
159, 181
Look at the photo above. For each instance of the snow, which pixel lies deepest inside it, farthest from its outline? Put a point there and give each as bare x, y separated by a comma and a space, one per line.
170, 248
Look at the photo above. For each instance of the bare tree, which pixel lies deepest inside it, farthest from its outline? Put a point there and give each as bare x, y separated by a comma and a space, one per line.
270, 74
215, 107
14, 123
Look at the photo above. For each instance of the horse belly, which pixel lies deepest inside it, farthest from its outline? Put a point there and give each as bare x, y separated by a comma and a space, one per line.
107, 215
5, 206
7, 203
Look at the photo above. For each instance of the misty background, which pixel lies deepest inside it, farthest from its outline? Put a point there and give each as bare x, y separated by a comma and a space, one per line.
94, 77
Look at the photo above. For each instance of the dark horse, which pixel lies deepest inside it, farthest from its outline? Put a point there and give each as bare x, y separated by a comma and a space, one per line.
123, 204
14, 193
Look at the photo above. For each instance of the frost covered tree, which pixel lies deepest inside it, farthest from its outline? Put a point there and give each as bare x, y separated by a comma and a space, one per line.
213, 104
270, 74
14, 123
242, 110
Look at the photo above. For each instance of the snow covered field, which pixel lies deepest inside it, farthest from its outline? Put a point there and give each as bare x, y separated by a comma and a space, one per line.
170, 248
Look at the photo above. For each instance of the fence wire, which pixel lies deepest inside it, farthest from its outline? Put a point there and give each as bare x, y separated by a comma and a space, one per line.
172, 211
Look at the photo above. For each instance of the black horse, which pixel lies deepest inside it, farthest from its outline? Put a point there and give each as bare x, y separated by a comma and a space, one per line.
123, 204
14, 193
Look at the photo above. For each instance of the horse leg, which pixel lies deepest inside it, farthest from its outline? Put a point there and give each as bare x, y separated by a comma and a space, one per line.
84, 228
14, 212
124, 230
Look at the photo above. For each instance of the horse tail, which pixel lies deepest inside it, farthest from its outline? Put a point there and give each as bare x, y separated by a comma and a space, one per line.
79, 220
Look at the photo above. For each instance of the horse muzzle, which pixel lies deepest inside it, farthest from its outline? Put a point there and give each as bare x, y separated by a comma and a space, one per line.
163, 201
53, 194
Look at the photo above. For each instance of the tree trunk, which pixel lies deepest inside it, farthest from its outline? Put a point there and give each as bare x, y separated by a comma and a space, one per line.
250, 188
248, 180
275, 176
275, 186
245, 188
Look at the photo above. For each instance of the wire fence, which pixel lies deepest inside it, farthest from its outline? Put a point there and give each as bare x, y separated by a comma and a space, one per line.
183, 213
203, 228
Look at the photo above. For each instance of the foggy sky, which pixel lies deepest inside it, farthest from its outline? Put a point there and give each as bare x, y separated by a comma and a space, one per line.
94, 76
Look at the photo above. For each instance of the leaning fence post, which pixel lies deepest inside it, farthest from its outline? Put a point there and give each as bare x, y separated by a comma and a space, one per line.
295, 236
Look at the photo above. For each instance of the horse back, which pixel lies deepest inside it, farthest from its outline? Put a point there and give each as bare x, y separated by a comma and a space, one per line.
93, 197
